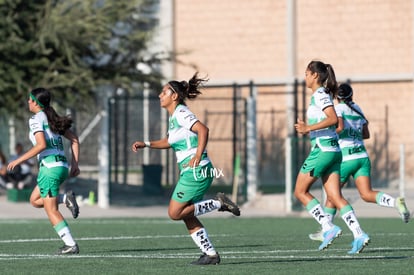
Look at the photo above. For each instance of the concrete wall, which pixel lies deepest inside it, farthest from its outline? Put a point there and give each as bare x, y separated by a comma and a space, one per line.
365, 41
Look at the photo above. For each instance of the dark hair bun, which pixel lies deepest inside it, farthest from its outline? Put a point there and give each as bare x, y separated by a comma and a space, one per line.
345, 91
184, 84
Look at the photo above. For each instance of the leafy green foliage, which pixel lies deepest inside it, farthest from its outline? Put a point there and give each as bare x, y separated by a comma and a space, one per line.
72, 47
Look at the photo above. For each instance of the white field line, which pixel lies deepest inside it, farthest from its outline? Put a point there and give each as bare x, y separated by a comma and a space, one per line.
126, 221
112, 238
265, 255
103, 238
229, 254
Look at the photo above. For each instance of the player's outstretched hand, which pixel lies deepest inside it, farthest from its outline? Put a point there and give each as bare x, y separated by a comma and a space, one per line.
137, 145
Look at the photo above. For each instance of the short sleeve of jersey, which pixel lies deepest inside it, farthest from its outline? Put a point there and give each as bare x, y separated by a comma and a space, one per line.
339, 109
36, 123
185, 118
322, 99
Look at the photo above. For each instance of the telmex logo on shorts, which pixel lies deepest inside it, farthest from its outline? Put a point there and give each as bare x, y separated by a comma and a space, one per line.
208, 172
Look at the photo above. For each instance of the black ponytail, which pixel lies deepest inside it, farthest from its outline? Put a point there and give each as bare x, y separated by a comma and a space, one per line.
58, 124
190, 89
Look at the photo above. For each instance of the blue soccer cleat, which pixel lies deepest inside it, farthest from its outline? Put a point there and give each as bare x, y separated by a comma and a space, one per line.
359, 244
329, 236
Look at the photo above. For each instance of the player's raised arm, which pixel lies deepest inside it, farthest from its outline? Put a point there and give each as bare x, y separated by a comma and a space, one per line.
156, 144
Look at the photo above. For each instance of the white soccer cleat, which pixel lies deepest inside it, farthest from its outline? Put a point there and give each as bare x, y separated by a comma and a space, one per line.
402, 209
317, 236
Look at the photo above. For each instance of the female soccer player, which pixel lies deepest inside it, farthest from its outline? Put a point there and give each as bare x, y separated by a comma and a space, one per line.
188, 137
353, 129
325, 158
47, 130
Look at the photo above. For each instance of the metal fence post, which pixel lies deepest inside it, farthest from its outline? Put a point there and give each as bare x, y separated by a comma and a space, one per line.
104, 157
251, 144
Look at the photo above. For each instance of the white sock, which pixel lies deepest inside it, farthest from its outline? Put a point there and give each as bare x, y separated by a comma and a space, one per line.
385, 200
206, 206
201, 239
348, 215
330, 213
61, 198
316, 210
63, 231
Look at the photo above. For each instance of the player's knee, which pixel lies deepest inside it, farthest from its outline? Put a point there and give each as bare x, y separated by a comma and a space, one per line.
366, 197
174, 215
35, 204
298, 193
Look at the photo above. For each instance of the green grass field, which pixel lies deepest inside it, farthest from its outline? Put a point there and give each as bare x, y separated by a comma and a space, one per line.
161, 246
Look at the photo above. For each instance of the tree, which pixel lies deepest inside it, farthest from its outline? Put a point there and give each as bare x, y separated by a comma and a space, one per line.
72, 47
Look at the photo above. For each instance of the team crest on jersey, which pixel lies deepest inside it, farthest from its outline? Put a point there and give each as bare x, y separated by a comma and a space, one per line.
191, 117
34, 125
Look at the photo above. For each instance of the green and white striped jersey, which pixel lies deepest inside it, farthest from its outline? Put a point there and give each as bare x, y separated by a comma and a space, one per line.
350, 139
326, 138
54, 142
181, 139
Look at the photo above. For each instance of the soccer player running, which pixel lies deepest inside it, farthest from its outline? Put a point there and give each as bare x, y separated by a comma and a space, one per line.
46, 131
325, 158
188, 137
352, 130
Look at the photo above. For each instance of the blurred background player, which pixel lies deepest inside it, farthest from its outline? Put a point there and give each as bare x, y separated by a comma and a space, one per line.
3, 170
21, 177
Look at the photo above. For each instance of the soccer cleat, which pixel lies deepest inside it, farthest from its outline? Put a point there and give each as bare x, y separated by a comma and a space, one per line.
402, 208
329, 236
227, 204
72, 204
66, 249
207, 260
317, 236
359, 244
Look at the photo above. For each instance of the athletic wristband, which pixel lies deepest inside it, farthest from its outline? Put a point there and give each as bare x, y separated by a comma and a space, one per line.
147, 144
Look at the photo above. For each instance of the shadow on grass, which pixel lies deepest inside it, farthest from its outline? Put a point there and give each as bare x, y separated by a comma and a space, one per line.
133, 195
299, 259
